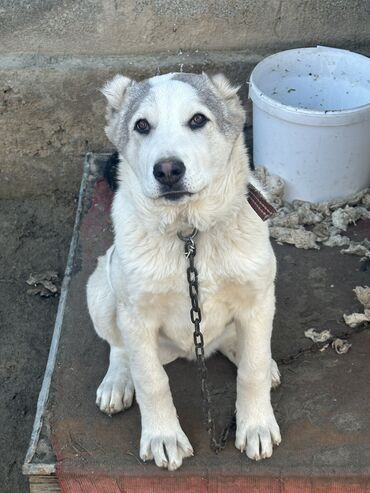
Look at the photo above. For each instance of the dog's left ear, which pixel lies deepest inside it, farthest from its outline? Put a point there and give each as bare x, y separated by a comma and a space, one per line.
229, 94
224, 86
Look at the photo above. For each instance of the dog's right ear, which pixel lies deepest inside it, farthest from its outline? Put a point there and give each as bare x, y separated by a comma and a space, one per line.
115, 91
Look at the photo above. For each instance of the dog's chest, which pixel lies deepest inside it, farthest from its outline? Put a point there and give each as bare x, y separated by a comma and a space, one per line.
220, 297
175, 323
156, 282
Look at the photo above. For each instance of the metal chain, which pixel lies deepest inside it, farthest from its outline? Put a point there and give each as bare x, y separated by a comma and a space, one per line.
196, 317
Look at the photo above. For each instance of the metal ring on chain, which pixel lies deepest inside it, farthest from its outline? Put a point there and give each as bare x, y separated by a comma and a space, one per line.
192, 235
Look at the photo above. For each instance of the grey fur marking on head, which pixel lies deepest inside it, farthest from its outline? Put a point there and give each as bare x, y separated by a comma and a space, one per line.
227, 120
228, 123
135, 96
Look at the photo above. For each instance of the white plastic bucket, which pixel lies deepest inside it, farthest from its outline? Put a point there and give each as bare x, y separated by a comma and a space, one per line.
311, 121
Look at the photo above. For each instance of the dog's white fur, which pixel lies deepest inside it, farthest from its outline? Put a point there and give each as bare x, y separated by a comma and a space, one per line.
142, 309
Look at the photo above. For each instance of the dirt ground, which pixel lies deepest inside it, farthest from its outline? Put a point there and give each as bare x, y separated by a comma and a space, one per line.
35, 236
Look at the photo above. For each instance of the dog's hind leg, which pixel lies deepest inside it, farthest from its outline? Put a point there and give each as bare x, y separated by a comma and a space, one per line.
275, 375
116, 391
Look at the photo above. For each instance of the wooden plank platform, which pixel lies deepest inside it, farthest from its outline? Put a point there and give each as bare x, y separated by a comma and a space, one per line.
322, 405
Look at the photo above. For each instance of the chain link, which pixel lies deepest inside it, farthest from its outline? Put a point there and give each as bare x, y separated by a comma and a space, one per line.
196, 317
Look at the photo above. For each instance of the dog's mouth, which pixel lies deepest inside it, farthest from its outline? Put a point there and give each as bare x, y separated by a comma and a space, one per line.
175, 195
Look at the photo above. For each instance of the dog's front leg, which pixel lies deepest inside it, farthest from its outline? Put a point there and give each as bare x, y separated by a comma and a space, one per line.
257, 429
162, 438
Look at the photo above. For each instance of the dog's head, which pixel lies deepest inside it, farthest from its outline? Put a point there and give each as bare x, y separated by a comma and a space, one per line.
175, 131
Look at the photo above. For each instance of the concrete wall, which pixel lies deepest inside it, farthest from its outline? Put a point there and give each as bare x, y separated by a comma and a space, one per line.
51, 111
54, 56
117, 27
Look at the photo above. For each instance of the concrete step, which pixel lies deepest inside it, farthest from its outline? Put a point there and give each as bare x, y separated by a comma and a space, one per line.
322, 405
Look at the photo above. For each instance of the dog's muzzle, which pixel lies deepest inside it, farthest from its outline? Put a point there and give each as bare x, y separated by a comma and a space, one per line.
169, 172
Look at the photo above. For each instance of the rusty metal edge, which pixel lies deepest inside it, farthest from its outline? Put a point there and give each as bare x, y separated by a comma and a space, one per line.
28, 468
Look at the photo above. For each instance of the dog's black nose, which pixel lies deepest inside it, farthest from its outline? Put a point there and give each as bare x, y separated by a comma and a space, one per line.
169, 171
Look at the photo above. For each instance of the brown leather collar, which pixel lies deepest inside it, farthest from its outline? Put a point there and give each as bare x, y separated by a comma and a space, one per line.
258, 202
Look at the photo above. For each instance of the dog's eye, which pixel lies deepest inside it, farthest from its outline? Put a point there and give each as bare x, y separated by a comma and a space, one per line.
197, 121
142, 126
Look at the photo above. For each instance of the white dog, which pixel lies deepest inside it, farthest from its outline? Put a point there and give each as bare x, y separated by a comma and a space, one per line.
183, 165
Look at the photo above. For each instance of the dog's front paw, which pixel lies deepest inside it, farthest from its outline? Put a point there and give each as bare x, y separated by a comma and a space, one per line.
115, 393
257, 435
168, 448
